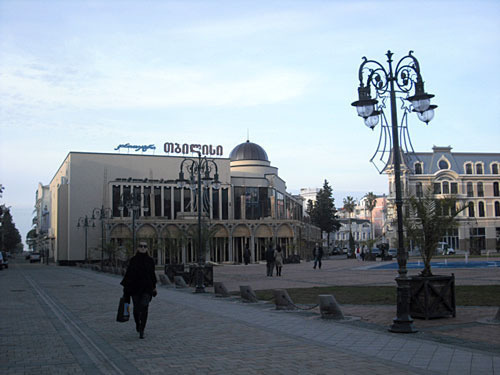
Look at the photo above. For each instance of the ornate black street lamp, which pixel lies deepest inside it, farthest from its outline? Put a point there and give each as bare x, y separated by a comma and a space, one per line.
402, 80
132, 202
85, 222
199, 170
102, 214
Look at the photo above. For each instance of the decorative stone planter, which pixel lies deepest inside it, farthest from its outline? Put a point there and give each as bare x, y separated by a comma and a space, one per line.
432, 296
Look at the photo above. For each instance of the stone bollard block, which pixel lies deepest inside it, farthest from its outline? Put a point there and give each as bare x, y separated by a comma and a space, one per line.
220, 289
283, 300
329, 307
179, 282
164, 280
247, 294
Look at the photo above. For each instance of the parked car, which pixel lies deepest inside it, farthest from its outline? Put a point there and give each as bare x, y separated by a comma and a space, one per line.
445, 249
375, 251
336, 251
392, 252
2, 261
35, 257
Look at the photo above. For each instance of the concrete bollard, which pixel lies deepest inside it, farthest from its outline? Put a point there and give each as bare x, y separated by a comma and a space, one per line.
179, 282
220, 289
283, 300
329, 307
164, 280
247, 294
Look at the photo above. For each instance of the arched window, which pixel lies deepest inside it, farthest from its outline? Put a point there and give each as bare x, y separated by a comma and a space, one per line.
471, 209
468, 168
497, 208
480, 191
470, 189
443, 164
496, 191
494, 168
481, 209
418, 168
479, 169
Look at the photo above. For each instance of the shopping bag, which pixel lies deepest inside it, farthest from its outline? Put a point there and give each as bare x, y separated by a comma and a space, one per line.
123, 313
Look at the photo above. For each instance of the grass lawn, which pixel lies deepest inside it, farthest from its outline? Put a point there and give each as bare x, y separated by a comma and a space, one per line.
482, 295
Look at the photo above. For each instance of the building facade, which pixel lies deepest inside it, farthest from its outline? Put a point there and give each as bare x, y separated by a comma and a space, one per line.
88, 217
473, 178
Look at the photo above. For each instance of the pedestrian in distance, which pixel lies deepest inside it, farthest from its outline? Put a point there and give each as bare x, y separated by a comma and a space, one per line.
270, 260
246, 255
278, 260
317, 254
139, 283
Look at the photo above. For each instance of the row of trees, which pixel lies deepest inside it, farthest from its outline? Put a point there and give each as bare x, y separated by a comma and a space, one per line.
10, 239
323, 213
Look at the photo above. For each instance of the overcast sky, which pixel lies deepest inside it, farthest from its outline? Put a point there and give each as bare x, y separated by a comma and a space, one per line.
89, 75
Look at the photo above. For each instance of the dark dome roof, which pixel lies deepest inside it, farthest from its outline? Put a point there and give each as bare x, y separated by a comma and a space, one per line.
248, 151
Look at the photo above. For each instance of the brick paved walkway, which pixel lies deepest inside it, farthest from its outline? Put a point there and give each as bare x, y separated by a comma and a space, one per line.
61, 320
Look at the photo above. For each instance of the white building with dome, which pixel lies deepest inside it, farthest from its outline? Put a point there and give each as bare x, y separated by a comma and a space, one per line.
251, 208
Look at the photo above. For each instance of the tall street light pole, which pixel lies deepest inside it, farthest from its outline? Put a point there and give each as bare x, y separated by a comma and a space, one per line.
133, 203
85, 222
195, 168
402, 80
101, 214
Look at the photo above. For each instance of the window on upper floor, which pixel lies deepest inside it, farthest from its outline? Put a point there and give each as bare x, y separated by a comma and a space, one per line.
479, 169
468, 168
481, 209
446, 187
443, 164
418, 190
480, 190
470, 189
454, 188
494, 168
471, 209
497, 208
496, 191
437, 188
418, 168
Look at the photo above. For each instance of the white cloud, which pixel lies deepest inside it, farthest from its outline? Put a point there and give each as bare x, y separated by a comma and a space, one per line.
28, 84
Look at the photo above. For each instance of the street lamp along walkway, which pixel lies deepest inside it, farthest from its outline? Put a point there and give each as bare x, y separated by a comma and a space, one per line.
406, 77
85, 222
196, 167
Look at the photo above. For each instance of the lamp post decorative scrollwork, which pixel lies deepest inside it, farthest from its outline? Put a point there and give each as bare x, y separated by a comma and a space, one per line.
102, 214
85, 222
132, 202
199, 170
387, 83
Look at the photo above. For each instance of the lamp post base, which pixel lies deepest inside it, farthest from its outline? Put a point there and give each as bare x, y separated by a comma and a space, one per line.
200, 285
403, 323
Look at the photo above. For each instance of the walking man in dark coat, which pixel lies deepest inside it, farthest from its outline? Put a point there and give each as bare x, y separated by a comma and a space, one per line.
270, 260
317, 254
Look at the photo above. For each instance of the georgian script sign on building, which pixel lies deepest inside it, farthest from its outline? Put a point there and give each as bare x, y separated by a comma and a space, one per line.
177, 148
142, 148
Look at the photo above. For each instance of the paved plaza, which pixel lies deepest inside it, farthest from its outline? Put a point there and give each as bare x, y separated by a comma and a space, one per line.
61, 320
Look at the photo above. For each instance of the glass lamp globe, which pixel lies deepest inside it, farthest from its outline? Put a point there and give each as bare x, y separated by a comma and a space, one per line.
365, 110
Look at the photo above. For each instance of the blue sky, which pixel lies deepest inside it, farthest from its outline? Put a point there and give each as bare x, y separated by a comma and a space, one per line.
89, 75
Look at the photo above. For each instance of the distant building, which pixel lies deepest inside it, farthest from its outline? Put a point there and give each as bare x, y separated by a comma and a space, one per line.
471, 177
251, 208
308, 194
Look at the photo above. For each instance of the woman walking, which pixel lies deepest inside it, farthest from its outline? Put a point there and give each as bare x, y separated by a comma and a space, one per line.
278, 260
139, 282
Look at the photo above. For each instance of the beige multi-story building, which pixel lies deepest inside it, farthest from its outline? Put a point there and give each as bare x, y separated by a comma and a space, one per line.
473, 178
250, 209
